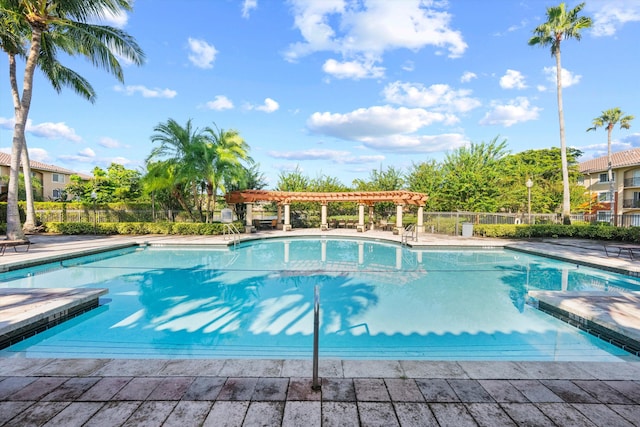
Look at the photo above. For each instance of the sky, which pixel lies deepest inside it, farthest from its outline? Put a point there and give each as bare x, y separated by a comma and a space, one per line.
340, 88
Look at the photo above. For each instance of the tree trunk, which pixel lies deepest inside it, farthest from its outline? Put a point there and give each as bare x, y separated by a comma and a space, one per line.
30, 223
612, 190
21, 111
566, 195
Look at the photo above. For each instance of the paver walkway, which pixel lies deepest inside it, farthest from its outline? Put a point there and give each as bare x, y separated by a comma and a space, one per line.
104, 392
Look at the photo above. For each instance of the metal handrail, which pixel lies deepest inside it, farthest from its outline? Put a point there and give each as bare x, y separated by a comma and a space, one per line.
409, 231
230, 231
315, 385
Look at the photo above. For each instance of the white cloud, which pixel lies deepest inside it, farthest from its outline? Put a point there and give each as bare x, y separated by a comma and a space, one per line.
109, 143
516, 111
219, 103
86, 155
53, 131
46, 130
610, 16
408, 66
39, 155
366, 123
247, 6
467, 76
202, 54
146, 92
119, 160
372, 27
408, 144
568, 78
352, 69
87, 152
512, 80
269, 106
440, 97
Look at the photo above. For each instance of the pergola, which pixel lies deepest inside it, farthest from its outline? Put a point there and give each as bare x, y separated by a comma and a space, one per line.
363, 198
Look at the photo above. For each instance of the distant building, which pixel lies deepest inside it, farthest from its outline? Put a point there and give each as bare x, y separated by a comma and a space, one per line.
626, 178
54, 179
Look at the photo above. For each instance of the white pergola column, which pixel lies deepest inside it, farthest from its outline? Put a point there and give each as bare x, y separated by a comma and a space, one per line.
399, 227
371, 218
287, 217
248, 226
279, 217
324, 225
420, 224
360, 226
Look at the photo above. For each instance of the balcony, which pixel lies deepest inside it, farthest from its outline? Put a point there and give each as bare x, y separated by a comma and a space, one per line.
630, 203
632, 182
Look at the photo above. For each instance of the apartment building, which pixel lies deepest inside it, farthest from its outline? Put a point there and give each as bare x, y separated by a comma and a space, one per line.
626, 180
53, 178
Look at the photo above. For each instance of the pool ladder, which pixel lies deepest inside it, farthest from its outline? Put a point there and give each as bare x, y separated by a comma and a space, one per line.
230, 232
410, 231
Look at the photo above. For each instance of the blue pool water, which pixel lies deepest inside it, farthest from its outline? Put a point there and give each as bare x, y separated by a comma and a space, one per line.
378, 301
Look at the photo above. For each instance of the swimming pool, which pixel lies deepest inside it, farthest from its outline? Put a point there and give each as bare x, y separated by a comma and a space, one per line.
378, 301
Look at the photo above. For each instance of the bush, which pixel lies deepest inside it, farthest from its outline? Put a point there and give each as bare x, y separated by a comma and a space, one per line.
594, 232
138, 228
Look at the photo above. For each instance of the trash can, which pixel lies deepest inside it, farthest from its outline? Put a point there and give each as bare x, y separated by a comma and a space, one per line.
467, 229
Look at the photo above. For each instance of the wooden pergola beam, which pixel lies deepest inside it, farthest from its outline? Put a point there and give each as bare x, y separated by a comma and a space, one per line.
364, 197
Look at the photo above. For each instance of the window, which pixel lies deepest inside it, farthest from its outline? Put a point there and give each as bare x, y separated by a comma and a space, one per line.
56, 177
603, 196
604, 177
56, 194
581, 180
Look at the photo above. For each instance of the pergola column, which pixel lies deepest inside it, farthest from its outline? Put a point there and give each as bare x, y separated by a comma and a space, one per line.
248, 226
371, 218
398, 229
287, 217
279, 217
360, 226
420, 224
324, 225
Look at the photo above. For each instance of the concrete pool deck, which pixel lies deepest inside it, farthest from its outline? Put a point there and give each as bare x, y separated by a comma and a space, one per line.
278, 392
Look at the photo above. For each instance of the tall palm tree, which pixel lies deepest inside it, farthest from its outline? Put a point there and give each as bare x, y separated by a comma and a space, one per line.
224, 153
608, 119
561, 25
51, 26
179, 153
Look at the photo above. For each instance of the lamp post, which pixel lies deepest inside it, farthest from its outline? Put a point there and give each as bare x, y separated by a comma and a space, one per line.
94, 197
529, 184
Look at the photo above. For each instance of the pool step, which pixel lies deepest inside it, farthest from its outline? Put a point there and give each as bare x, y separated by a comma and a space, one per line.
26, 312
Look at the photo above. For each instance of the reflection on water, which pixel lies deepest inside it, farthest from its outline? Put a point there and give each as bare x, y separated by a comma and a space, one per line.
377, 301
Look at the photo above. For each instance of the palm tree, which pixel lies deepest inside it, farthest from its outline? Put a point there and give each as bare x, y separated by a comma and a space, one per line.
180, 155
561, 24
609, 119
224, 152
48, 26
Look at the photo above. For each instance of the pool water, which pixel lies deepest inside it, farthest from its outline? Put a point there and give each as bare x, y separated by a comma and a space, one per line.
378, 301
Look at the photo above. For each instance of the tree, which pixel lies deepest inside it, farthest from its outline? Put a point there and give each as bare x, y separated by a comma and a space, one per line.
608, 119
175, 164
471, 177
427, 178
223, 154
561, 25
51, 26
382, 180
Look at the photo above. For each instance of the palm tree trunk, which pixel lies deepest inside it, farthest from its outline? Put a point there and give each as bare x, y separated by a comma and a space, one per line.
21, 107
566, 195
612, 189
30, 222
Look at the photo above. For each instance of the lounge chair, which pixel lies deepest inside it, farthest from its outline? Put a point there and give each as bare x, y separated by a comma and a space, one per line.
614, 250
4, 244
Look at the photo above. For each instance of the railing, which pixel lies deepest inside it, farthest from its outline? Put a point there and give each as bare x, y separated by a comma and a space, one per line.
630, 203
315, 385
230, 232
632, 182
410, 231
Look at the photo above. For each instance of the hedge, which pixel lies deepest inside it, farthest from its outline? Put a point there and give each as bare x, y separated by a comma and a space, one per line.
594, 232
108, 228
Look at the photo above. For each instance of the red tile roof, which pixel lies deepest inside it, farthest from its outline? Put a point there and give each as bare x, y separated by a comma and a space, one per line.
5, 160
618, 160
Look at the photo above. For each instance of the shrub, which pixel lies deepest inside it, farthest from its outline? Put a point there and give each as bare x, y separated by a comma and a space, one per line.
137, 228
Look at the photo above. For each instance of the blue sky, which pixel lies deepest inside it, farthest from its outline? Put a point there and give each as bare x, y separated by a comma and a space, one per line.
342, 87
